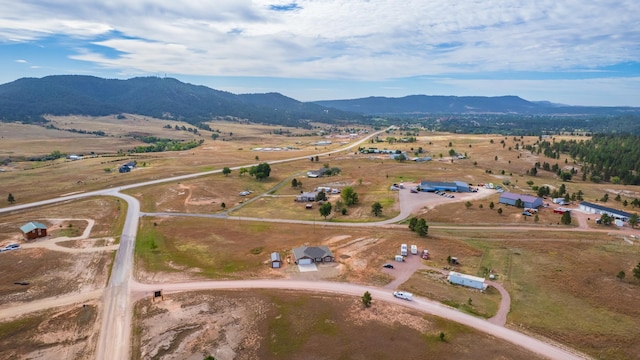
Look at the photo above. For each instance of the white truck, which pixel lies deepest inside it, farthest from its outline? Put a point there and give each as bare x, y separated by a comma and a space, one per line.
403, 250
403, 295
414, 249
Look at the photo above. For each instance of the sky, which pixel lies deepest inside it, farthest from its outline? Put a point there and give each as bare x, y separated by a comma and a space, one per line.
576, 52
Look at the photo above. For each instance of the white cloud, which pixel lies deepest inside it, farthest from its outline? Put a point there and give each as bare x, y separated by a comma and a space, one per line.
21, 61
356, 39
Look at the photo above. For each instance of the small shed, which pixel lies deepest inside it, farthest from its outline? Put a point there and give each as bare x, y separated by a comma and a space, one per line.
33, 230
467, 280
276, 261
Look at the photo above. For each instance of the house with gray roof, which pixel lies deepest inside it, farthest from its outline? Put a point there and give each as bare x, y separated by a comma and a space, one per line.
33, 230
306, 255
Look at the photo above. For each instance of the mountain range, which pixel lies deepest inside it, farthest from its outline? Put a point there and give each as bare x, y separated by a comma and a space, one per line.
29, 99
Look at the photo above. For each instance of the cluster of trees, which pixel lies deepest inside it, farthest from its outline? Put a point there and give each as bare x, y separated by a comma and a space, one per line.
260, 171
160, 145
527, 125
614, 158
419, 226
77, 131
184, 128
54, 155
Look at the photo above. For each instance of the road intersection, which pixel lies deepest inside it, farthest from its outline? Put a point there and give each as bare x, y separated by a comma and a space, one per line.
115, 334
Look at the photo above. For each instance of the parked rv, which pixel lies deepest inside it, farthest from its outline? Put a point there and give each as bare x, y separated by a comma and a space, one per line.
414, 250
403, 250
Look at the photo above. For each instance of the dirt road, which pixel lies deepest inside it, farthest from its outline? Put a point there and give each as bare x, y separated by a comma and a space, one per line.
378, 294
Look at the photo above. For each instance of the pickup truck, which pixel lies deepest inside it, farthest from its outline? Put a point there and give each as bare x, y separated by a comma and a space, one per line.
403, 295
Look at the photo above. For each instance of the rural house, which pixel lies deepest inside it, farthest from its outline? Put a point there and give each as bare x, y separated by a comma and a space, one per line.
306, 255
33, 230
528, 201
307, 196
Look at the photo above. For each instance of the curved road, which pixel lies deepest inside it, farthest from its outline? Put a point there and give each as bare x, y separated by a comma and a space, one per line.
114, 340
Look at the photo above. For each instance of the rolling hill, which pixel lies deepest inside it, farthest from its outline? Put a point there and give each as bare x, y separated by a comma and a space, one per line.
29, 99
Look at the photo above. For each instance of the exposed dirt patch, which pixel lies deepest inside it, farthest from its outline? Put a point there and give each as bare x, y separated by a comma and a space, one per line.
67, 333
262, 324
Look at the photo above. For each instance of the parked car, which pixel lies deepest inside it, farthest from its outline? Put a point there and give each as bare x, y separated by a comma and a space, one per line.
425, 254
309, 206
11, 247
526, 213
245, 193
414, 190
388, 266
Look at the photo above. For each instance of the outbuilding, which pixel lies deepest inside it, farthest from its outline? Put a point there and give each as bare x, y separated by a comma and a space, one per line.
276, 261
528, 201
467, 280
33, 230
599, 209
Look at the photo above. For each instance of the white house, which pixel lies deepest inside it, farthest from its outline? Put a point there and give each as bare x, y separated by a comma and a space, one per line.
467, 280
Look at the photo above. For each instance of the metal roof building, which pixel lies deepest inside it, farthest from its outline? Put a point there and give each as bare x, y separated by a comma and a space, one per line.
599, 209
528, 201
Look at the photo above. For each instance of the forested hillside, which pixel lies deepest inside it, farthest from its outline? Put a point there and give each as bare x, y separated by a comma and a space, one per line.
614, 158
28, 99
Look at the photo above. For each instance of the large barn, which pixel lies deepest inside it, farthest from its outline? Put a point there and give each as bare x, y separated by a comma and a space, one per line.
33, 230
456, 186
528, 201
599, 209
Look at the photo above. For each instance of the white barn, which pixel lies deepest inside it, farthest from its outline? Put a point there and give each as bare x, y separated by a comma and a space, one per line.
467, 280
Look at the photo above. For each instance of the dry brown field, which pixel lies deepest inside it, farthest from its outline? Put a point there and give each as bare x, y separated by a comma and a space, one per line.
61, 333
52, 273
261, 324
562, 282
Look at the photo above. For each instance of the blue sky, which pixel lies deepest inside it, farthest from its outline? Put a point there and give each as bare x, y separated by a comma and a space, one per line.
571, 52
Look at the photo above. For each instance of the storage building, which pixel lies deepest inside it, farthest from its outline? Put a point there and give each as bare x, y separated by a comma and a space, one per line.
467, 280
528, 201
276, 262
599, 209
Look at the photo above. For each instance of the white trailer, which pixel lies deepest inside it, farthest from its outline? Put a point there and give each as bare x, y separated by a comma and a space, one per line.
403, 250
414, 249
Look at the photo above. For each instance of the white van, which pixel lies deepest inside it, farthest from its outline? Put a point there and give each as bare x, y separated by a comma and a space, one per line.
414, 249
403, 250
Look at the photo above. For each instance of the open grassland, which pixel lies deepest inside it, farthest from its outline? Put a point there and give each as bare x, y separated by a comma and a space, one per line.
262, 324
31, 180
569, 292
562, 282
68, 332
193, 248
108, 213
434, 285
52, 273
